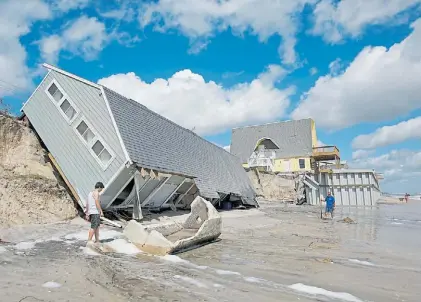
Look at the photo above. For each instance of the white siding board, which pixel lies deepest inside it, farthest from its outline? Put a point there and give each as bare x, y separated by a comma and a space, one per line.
148, 189
350, 188
118, 184
61, 139
158, 199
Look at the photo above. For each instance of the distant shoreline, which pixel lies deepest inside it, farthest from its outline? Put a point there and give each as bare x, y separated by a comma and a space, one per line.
394, 200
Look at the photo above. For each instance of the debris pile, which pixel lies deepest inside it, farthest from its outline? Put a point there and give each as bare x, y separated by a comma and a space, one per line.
202, 226
277, 187
29, 190
348, 220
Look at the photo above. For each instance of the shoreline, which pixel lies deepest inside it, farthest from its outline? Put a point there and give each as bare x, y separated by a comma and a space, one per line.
394, 200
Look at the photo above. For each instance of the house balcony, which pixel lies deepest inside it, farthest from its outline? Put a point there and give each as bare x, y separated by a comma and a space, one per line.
326, 153
263, 159
265, 163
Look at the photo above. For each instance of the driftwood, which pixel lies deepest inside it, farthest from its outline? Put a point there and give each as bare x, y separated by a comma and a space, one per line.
113, 223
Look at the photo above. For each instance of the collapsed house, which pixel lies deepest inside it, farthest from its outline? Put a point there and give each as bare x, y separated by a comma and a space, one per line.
145, 160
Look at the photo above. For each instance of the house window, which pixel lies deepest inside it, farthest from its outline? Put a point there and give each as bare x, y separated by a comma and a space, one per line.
101, 152
85, 132
67, 109
58, 96
55, 92
302, 163
93, 142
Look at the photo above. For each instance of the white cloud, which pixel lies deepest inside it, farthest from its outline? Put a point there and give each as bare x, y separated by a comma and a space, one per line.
50, 48
313, 71
187, 99
335, 20
66, 5
361, 154
389, 135
197, 46
379, 84
16, 19
84, 36
121, 10
336, 67
227, 148
398, 166
202, 19
228, 74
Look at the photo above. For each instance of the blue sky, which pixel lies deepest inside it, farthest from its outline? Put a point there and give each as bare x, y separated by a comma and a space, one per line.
352, 65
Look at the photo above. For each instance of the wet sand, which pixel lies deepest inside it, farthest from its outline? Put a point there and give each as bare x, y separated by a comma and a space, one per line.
277, 253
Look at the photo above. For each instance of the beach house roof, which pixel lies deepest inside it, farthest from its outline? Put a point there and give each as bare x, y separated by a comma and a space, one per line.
291, 138
154, 142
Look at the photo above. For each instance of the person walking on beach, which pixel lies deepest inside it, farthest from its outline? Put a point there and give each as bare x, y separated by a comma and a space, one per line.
94, 212
330, 204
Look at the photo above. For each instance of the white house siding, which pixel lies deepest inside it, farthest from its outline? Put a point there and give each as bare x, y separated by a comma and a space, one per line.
72, 155
350, 187
117, 185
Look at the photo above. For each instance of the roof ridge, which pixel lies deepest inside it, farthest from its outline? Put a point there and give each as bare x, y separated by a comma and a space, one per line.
271, 123
71, 75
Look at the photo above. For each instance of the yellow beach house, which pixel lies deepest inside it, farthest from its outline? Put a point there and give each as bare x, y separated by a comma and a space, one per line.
281, 147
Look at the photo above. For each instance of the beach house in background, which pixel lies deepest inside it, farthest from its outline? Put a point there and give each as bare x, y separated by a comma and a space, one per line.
282, 147
291, 147
145, 160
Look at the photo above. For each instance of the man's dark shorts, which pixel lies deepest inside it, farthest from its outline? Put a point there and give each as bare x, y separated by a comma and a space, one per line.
95, 220
329, 209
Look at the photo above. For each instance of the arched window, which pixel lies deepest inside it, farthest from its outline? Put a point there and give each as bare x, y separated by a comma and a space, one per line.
265, 143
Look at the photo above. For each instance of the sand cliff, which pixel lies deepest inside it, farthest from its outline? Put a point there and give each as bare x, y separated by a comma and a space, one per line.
29, 190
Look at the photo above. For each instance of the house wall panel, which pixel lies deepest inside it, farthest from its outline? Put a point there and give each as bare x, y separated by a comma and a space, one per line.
72, 155
314, 134
350, 188
294, 164
117, 185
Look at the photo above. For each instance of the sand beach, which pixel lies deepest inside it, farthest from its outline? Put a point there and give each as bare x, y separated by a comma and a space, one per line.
279, 252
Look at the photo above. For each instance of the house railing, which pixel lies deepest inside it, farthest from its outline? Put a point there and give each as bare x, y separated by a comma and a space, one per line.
326, 153
267, 163
325, 149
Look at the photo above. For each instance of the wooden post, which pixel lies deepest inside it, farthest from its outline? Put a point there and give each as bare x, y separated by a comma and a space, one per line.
72, 190
137, 209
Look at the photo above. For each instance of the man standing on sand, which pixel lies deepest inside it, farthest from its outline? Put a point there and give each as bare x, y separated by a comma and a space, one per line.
93, 211
330, 204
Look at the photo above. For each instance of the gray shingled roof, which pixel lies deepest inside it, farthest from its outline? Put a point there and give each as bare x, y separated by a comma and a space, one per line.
155, 142
292, 137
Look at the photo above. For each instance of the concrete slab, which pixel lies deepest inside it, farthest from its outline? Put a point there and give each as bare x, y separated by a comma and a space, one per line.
201, 226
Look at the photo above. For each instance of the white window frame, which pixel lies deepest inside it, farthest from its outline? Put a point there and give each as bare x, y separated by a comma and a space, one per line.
94, 140
60, 102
